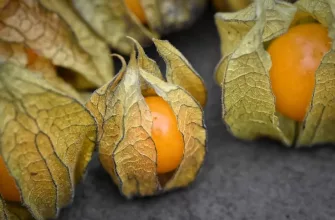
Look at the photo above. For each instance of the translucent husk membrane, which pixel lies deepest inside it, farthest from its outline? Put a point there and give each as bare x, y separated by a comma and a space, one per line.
46, 135
46, 141
113, 21
126, 149
42, 35
247, 100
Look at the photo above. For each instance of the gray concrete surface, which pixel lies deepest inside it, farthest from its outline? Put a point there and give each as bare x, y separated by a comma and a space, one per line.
239, 181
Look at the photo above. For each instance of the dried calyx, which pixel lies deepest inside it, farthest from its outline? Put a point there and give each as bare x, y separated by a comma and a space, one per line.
59, 38
126, 146
47, 138
248, 101
51, 55
113, 20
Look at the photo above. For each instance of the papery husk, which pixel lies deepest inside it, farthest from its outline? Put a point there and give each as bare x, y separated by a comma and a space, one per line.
46, 140
127, 151
54, 31
243, 73
12, 211
113, 21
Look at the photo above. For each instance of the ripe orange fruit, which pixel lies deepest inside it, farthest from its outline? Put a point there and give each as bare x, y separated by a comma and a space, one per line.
136, 7
295, 57
31, 55
8, 188
168, 139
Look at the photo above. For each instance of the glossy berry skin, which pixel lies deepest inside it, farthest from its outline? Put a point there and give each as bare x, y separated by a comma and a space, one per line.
8, 188
295, 57
136, 7
168, 139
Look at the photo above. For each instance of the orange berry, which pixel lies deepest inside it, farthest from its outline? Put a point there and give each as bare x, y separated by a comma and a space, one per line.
295, 57
8, 188
136, 7
32, 56
168, 139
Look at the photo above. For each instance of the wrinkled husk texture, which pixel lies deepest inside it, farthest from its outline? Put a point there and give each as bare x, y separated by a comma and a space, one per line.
52, 55
113, 21
46, 140
248, 104
126, 149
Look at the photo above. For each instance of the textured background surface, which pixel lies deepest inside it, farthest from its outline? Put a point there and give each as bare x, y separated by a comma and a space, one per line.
239, 180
